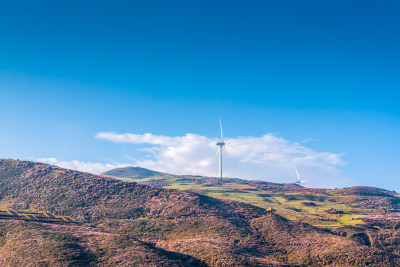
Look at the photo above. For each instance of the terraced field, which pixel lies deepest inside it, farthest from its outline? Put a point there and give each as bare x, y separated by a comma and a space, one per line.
28, 215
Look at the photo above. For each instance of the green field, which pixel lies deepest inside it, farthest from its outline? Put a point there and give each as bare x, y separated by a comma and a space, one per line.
306, 205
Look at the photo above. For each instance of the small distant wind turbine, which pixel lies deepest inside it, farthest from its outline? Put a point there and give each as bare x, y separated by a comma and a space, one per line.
220, 145
299, 181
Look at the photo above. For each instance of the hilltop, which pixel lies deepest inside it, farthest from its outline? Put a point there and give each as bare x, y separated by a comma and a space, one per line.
134, 173
126, 223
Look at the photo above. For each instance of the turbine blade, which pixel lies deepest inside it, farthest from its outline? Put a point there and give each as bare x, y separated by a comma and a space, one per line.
216, 154
220, 125
298, 175
231, 148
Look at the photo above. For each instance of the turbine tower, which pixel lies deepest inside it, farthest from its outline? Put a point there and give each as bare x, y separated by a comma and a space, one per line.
221, 144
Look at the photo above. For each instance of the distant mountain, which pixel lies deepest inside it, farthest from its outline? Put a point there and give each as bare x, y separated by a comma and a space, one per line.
133, 172
129, 224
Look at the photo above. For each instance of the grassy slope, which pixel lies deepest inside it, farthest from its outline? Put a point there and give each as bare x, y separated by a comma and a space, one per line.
288, 203
184, 226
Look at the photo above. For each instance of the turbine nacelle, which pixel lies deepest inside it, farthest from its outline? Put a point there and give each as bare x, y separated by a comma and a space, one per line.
220, 144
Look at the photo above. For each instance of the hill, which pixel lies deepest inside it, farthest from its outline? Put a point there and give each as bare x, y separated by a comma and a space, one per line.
38, 244
134, 173
330, 208
126, 223
359, 212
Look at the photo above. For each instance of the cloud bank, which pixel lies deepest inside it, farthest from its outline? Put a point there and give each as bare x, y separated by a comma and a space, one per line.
268, 158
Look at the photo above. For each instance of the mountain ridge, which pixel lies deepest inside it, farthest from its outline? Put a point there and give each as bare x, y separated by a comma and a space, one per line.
197, 228
122, 173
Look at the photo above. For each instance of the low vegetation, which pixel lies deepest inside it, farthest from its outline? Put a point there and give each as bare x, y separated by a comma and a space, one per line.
337, 210
125, 223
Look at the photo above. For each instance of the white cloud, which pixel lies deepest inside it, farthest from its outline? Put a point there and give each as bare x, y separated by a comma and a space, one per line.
268, 158
91, 167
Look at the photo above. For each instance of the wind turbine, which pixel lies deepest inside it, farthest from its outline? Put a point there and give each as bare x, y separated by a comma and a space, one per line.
221, 144
299, 181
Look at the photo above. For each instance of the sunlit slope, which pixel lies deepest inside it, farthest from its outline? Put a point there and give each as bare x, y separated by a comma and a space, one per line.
330, 208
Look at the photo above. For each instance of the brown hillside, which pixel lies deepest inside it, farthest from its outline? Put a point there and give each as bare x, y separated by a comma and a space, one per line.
149, 223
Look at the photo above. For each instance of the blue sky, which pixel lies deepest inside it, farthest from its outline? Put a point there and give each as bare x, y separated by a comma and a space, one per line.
321, 76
